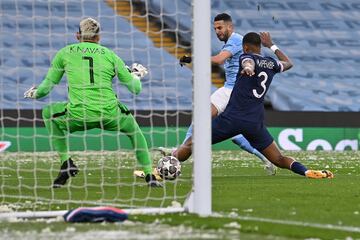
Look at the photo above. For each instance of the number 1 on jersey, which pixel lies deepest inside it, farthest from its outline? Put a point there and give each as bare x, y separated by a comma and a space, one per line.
91, 68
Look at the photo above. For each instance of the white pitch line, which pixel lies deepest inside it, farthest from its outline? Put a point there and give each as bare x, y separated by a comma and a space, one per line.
303, 224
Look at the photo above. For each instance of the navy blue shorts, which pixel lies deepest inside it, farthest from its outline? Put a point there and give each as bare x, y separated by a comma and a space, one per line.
224, 128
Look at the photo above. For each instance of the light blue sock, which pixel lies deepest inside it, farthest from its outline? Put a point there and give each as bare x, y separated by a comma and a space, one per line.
188, 133
241, 141
259, 155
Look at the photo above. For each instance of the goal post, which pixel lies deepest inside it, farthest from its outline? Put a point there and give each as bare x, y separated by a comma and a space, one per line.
33, 31
202, 113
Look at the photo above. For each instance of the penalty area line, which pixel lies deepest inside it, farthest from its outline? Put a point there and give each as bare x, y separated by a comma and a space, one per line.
299, 223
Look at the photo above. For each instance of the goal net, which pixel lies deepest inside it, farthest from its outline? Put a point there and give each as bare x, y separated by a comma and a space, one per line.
153, 33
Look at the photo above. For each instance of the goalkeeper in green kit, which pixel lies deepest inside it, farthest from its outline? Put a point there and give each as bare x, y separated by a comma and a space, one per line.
90, 69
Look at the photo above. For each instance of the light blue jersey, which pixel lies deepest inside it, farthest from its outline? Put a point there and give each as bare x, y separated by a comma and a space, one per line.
231, 65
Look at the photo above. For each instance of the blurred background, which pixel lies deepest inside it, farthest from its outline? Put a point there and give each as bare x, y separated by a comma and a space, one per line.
316, 100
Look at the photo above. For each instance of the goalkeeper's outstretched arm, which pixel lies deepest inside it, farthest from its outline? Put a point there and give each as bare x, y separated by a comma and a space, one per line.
130, 77
52, 78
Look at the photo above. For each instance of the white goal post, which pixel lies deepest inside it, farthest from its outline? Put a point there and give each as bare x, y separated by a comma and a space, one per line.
202, 113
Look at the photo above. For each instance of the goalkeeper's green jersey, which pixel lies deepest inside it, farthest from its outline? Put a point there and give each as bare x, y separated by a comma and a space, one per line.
89, 68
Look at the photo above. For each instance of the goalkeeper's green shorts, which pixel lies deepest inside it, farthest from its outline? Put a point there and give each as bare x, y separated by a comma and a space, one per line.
58, 119
122, 120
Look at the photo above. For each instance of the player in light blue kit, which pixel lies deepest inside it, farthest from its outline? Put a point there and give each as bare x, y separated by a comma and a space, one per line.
229, 56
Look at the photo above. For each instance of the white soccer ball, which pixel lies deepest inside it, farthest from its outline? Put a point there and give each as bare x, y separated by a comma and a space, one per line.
169, 167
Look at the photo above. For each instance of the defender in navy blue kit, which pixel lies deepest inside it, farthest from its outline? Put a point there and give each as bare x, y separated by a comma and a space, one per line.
244, 113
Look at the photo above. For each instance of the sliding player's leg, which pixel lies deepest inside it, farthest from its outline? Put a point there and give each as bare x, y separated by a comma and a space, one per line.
221, 129
184, 151
219, 101
273, 153
241, 141
56, 122
261, 139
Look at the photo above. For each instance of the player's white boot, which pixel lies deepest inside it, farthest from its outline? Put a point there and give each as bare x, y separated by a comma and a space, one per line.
270, 168
141, 174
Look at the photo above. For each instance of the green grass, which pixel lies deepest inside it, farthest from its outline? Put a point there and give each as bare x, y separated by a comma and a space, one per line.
245, 200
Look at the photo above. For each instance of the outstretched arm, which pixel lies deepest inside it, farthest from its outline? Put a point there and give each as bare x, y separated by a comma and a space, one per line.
217, 59
267, 42
52, 78
221, 57
130, 77
231, 48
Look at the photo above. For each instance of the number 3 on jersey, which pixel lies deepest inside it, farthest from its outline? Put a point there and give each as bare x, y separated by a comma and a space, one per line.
91, 68
263, 82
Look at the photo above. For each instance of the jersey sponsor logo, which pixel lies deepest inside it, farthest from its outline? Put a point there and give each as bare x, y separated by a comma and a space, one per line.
77, 49
265, 63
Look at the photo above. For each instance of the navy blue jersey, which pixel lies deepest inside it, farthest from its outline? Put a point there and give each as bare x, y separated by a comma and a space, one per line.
247, 98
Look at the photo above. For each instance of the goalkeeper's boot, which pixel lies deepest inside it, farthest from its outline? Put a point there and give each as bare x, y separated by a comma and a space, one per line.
152, 182
68, 169
141, 174
319, 174
165, 151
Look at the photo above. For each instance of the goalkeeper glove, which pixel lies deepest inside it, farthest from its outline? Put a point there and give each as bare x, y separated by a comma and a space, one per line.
128, 68
185, 59
152, 182
30, 93
139, 70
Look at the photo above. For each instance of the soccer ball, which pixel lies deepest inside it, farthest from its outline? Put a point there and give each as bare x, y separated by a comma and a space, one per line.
169, 167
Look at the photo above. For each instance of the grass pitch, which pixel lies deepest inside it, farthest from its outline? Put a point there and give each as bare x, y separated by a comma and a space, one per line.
247, 203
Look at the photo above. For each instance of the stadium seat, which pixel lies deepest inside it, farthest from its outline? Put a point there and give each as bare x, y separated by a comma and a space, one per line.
40, 28
176, 16
316, 35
